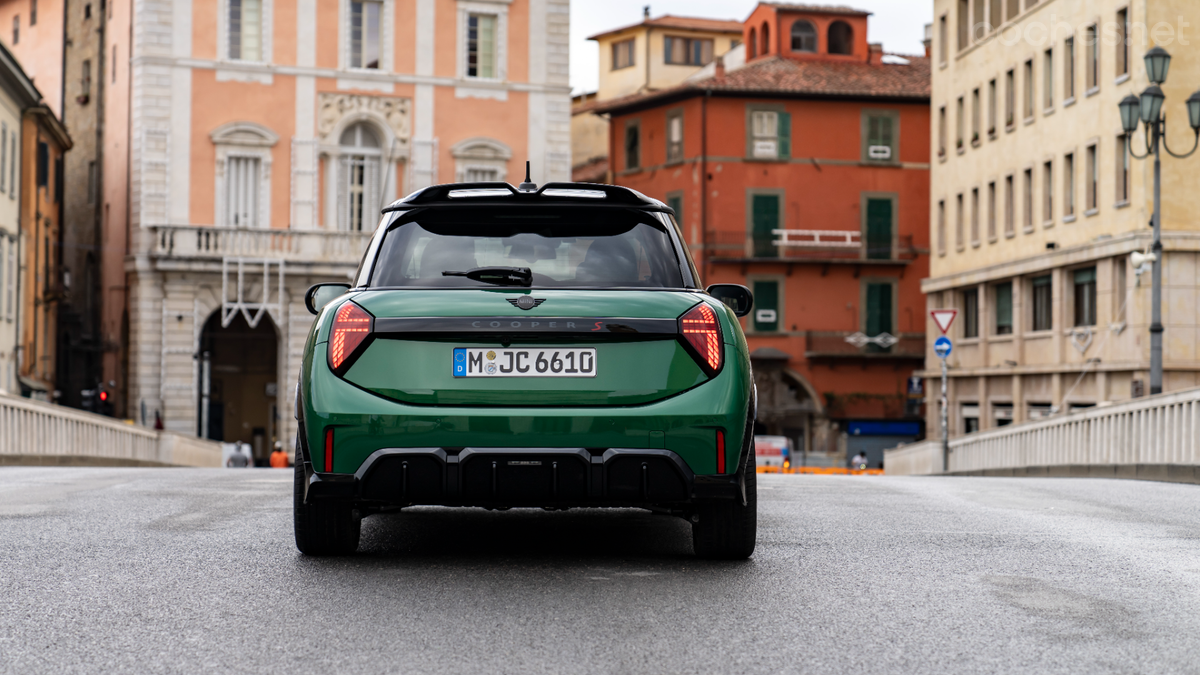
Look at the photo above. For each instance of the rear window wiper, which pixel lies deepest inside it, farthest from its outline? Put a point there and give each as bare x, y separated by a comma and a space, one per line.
500, 276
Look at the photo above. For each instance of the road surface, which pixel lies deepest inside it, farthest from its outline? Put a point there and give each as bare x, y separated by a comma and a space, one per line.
191, 570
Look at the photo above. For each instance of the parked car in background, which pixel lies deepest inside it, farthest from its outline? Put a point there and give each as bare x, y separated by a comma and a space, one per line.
773, 451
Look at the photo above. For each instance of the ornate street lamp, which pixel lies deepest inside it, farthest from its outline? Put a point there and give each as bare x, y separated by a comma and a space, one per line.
1149, 109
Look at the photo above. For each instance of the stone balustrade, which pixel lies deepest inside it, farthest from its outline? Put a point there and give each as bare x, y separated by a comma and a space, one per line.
301, 246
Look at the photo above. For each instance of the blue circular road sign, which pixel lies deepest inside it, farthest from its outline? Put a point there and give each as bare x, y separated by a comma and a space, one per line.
942, 347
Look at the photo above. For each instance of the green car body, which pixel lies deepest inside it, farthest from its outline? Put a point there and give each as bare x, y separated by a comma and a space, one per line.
392, 426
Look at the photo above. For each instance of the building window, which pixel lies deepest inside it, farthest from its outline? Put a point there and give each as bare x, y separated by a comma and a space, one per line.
841, 38
943, 41
675, 137
85, 79
12, 275
4, 156
766, 39
245, 29
1048, 78
941, 227
975, 216
1069, 69
1069, 185
675, 201
770, 134
91, 184
991, 117
1028, 92
17, 29
879, 306
964, 24
752, 44
1043, 303
1028, 201
994, 18
1093, 178
359, 168
1122, 42
976, 115
12, 165
366, 34
114, 58
970, 418
43, 165
623, 54
1004, 306
1048, 193
1010, 99
764, 220
633, 146
880, 141
480, 159
879, 229
32, 12
1119, 290
1092, 45
687, 51
970, 303
1123, 169
766, 307
960, 123
87, 11
1002, 413
942, 131
804, 37
242, 181
958, 222
1085, 297
991, 216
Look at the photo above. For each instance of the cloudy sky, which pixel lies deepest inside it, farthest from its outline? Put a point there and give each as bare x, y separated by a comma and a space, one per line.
898, 24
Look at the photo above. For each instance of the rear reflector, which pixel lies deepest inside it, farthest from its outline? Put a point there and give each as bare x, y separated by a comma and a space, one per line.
720, 451
328, 450
703, 333
351, 325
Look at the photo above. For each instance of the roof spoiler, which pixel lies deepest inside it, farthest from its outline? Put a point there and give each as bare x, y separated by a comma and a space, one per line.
459, 193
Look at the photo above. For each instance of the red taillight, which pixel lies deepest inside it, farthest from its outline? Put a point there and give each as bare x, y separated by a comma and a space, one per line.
328, 450
703, 333
720, 451
351, 326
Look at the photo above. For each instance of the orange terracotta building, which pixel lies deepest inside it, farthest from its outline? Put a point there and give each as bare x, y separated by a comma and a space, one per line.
798, 165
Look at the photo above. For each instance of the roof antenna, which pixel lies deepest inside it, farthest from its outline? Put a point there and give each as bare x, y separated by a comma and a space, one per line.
528, 185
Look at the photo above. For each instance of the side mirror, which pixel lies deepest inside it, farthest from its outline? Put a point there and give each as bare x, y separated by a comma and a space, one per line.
319, 295
739, 298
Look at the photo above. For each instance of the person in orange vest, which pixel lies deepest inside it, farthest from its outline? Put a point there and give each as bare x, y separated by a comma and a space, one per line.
279, 458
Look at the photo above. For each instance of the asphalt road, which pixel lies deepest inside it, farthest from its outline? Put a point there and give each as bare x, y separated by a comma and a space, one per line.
188, 570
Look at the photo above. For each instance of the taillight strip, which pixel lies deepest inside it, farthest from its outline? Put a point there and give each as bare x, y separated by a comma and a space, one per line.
328, 450
720, 451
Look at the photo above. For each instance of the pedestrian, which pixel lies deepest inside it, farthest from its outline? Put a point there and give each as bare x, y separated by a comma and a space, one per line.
239, 459
859, 461
279, 458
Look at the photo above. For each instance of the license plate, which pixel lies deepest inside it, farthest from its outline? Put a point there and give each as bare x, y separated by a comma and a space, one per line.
524, 362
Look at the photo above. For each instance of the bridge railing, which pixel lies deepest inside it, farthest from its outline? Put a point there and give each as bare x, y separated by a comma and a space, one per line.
41, 433
1156, 431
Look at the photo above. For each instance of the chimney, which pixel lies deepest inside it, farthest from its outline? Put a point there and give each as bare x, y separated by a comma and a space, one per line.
928, 41
646, 12
719, 68
876, 53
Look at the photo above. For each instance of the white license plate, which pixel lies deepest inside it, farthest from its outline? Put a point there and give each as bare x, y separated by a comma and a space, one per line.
524, 362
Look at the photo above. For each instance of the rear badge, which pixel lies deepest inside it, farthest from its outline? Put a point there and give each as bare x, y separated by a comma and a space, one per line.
524, 462
526, 302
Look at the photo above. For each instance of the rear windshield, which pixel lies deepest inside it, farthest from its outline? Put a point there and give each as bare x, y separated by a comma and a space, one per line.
603, 248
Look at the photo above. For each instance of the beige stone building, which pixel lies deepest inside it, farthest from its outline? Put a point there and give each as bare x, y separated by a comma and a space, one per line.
1036, 206
656, 53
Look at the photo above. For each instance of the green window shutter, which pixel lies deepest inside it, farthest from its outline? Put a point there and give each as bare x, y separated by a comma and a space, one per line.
766, 306
879, 309
1004, 309
676, 204
785, 135
764, 212
879, 229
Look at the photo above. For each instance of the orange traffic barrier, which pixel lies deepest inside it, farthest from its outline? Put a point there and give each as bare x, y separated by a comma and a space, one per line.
825, 470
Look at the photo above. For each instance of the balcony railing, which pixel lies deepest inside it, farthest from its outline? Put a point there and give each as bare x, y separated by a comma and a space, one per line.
208, 242
807, 245
834, 344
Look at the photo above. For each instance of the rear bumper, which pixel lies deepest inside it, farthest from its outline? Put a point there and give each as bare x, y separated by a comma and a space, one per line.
504, 477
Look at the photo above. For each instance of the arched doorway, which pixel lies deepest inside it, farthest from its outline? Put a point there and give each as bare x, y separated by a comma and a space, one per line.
239, 382
787, 403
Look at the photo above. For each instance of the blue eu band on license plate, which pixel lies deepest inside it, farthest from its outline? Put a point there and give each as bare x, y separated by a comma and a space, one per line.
471, 362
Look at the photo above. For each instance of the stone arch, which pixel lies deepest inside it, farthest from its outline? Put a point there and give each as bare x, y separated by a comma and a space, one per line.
804, 36
244, 133
766, 39
841, 38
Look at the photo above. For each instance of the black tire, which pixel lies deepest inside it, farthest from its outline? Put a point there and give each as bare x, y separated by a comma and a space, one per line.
727, 530
325, 528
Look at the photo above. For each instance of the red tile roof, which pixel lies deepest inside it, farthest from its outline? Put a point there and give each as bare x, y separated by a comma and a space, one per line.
818, 9
680, 22
802, 78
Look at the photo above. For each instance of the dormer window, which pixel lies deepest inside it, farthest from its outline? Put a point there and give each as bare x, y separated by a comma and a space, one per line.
841, 38
804, 37
766, 38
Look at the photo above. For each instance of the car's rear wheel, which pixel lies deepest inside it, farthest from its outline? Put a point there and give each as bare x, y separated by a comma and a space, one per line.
727, 529
322, 528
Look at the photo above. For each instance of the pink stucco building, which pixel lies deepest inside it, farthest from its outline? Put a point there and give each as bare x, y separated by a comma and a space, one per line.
247, 146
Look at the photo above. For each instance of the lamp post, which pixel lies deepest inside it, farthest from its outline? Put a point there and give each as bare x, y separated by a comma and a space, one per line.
1148, 109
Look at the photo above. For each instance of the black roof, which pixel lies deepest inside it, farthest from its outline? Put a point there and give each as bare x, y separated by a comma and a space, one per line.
500, 193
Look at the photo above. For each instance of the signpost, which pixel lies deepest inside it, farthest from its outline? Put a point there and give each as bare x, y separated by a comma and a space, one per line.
942, 347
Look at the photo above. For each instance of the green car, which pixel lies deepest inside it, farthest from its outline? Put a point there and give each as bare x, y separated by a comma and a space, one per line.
519, 347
